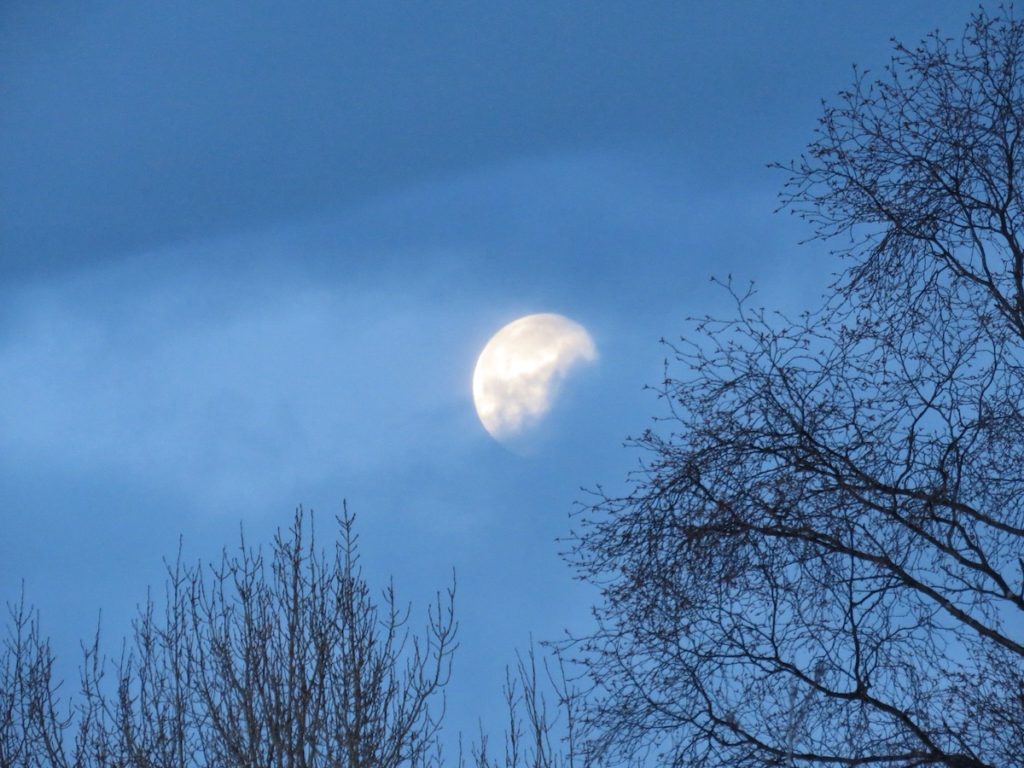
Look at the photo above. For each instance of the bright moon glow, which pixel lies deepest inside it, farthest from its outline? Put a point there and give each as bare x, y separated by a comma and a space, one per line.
520, 370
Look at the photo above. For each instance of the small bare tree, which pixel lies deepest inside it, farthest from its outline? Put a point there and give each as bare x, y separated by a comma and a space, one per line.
283, 660
543, 707
821, 562
32, 723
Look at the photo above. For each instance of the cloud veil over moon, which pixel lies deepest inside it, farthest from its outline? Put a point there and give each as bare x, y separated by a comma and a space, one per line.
520, 371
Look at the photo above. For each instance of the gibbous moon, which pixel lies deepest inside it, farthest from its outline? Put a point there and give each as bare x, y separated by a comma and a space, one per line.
519, 372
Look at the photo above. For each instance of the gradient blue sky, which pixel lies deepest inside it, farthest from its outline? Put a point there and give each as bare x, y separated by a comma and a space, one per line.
249, 252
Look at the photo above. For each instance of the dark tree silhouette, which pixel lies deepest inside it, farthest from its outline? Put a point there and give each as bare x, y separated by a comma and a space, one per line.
543, 707
284, 661
821, 560
281, 661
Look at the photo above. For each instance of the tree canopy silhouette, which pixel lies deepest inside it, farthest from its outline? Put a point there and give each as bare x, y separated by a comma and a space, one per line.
821, 560
284, 660
281, 659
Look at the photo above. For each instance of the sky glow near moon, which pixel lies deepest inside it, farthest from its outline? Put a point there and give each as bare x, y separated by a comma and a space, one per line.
521, 369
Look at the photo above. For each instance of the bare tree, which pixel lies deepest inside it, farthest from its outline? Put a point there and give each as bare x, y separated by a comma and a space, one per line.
821, 560
32, 724
543, 706
280, 660
283, 661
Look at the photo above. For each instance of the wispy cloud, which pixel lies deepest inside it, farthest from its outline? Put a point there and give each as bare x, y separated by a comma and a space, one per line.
227, 394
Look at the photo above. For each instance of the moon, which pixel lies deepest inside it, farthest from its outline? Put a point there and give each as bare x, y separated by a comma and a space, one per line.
521, 369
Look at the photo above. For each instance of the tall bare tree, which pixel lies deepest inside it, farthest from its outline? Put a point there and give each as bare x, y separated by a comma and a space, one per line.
821, 562
284, 660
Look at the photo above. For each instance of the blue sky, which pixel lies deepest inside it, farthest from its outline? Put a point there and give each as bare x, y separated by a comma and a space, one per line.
249, 253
